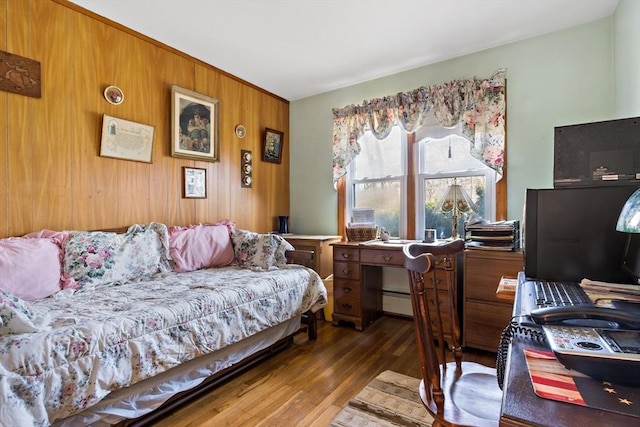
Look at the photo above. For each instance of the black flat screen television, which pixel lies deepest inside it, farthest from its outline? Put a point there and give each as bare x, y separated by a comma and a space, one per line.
570, 234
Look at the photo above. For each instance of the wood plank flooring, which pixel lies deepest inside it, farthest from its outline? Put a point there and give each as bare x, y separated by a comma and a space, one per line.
308, 383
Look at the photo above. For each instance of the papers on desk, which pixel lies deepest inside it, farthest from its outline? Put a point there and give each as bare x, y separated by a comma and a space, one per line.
603, 293
507, 285
492, 236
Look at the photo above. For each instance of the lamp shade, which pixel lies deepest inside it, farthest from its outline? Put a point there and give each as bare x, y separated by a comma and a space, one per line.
629, 219
456, 196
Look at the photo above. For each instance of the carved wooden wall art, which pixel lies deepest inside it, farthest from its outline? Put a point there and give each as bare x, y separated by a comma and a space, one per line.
19, 75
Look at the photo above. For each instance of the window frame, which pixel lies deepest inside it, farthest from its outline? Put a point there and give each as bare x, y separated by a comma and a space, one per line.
489, 175
402, 179
341, 189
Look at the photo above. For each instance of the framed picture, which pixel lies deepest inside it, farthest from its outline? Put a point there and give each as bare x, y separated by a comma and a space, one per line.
272, 148
122, 139
194, 125
195, 183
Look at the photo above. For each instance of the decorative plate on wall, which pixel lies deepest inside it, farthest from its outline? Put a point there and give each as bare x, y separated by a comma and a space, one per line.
114, 95
241, 131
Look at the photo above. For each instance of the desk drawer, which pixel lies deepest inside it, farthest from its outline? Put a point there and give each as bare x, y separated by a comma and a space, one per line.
346, 297
440, 281
440, 265
382, 257
342, 253
346, 270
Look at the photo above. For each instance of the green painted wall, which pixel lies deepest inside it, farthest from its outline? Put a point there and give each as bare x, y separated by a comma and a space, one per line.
627, 58
561, 78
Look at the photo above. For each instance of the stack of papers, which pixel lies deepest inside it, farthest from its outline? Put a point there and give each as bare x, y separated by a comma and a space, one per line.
495, 236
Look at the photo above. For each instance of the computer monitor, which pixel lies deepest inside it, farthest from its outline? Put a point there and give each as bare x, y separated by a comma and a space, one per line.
570, 234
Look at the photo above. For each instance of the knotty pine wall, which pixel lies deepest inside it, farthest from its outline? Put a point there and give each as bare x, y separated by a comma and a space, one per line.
52, 174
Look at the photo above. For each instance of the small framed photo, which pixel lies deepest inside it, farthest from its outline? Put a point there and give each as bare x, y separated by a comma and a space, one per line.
194, 125
272, 148
195, 183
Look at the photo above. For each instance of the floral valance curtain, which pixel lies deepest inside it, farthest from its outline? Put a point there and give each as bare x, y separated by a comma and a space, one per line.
479, 104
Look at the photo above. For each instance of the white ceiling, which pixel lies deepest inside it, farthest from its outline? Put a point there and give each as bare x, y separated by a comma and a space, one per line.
299, 48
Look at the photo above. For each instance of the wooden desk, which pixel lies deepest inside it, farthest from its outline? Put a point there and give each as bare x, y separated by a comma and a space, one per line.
521, 407
357, 281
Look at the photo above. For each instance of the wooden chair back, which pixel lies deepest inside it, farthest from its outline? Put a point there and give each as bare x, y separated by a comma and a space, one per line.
454, 392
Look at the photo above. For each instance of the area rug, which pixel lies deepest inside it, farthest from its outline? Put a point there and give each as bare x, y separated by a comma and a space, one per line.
391, 399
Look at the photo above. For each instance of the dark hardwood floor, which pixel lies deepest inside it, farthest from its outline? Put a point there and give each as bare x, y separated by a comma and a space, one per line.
309, 382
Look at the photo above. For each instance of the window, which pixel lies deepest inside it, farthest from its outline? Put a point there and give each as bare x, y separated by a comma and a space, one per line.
442, 156
377, 180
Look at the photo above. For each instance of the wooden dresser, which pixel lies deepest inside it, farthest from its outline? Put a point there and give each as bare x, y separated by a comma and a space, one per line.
357, 281
484, 314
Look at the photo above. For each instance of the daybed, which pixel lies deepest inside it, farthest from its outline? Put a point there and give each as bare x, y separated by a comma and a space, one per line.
137, 317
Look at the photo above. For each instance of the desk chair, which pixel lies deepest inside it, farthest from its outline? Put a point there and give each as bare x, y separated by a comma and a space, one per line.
455, 393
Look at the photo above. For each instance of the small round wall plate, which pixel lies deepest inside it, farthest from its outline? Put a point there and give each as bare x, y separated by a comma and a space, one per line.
114, 95
241, 131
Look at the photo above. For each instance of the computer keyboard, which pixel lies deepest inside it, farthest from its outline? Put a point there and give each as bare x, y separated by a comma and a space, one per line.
558, 294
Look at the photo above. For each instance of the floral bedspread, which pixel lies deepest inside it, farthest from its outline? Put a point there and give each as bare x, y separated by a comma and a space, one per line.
116, 335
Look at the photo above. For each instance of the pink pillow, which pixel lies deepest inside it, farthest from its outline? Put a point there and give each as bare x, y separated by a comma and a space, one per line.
200, 246
30, 268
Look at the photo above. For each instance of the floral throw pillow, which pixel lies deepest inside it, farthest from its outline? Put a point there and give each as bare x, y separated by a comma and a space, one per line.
259, 252
95, 258
17, 316
89, 256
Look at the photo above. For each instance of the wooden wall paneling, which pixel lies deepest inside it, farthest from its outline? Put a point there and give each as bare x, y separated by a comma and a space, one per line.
281, 198
59, 118
234, 202
4, 112
233, 112
274, 185
240, 115
245, 218
130, 70
165, 181
96, 178
54, 176
19, 144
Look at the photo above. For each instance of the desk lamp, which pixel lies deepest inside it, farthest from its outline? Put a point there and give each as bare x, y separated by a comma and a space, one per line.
629, 222
456, 200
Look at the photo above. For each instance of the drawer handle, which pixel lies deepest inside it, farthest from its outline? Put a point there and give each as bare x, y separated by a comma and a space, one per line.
347, 306
436, 281
345, 254
346, 271
387, 258
346, 289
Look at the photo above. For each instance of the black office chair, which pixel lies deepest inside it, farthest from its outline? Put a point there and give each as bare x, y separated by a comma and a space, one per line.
455, 393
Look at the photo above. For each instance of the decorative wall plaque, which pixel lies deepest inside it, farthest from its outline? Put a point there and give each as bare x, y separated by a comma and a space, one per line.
19, 75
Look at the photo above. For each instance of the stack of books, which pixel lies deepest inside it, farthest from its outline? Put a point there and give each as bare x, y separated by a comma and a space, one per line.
493, 236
